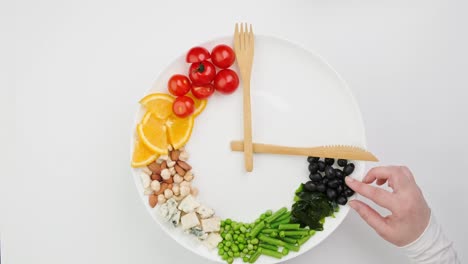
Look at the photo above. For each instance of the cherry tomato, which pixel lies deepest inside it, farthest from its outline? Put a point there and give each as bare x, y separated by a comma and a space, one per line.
179, 85
203, 91
226, 81
201, 73
183, 106
223, 56
197, 54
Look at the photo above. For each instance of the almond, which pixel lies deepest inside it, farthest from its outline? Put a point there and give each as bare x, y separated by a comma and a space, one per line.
155, 167
184, 165
156, 177
175, 155
153, 200
163, 165
179, 170
170, 180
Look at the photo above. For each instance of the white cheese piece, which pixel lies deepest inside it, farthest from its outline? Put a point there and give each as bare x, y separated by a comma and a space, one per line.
211, 224
189, 204
212, 240
169, 210
205, 212
175, 218
198, 232
189, 220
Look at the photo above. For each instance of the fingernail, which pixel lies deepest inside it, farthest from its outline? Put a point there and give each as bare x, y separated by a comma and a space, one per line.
349, 179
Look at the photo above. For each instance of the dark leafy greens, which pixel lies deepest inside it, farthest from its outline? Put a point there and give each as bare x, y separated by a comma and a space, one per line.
311, 208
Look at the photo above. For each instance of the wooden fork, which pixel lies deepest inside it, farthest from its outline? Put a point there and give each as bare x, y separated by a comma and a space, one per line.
244, 48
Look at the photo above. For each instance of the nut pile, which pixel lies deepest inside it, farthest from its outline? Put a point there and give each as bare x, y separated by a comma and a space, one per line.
170, 176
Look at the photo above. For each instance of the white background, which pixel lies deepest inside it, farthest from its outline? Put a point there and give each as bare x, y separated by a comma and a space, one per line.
73, 71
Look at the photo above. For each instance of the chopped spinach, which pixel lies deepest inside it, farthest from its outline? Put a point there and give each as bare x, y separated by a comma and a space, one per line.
311, 208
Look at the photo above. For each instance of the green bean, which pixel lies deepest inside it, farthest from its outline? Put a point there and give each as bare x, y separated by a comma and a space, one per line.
297, 232
274, 234
289, 226
272, 253
284, 216
276, 215
257, 229
268, 246
268, 230
296, 237
291, 247
285, 251
276, 224
270, 240
301, 241
289, 240
255, 256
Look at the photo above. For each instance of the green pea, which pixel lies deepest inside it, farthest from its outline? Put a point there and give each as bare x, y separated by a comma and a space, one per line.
245, 250
254, 241
245, 259
235, 248
230, 260
262, 216
237, 232
227, 227
225, 256
241, 246
228, 221
236, 254
230, 253
243, 229
221, 252
251, 252
228, 237
228, 244
226, 248
250, 246
235, 236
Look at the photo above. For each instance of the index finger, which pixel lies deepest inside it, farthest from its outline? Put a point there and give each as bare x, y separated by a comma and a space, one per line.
395, 175
375, 194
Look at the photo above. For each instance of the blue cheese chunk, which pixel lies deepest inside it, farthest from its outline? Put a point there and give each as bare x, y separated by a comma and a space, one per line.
211, 224
189, 204
175, 219
189, 220
212, 240
169, 211
204, 212
198, 232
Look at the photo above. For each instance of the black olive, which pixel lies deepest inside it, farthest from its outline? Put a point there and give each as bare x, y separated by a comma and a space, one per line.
321, 165
333, 184
312, 159
325, 181
329, 161
330, 172
321, 188
310, 186
341, 200
348, 169
313, 167
331, 194
342, 162
315, 177
348, 192
339, 189
339, 174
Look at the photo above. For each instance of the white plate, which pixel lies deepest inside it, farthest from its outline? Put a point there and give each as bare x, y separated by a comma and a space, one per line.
297, 100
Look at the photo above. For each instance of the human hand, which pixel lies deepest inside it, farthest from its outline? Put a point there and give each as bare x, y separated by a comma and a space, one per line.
410, 212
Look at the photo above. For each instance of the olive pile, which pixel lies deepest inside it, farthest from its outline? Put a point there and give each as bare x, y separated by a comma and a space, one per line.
329, 180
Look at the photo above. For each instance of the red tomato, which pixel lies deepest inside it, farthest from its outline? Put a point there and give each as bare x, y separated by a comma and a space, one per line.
201, 73
223, 56
203, 91
183, 106
197, 54
179, 85
226, 81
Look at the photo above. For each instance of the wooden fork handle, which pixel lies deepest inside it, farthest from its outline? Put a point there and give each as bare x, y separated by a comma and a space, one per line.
247, 145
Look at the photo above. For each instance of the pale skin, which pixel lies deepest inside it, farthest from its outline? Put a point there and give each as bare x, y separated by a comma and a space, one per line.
410, 213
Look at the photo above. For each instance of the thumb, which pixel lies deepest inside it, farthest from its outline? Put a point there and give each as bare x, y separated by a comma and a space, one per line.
372, 218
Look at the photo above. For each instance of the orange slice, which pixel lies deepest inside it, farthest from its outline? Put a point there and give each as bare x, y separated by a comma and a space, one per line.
179, 130
199, 104
159, 104
142, 156
152, 131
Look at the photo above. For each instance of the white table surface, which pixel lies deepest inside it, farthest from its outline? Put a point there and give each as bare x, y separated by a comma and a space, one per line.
73, 71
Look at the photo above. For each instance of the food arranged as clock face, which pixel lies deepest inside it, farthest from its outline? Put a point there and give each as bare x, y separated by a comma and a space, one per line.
169, 183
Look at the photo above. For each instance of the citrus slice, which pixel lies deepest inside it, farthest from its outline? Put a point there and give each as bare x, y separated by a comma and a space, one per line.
159, 104
152, 132
199, 104
142, 156
179, 130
